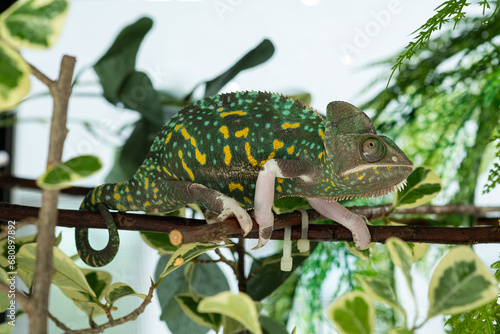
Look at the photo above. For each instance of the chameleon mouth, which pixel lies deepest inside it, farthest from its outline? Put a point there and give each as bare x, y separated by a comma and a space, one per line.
398, 187
362, 168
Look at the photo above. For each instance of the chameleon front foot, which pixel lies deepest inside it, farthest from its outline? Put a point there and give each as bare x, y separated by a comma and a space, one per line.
356, 224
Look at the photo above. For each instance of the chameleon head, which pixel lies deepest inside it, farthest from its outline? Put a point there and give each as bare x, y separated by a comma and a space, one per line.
365, 164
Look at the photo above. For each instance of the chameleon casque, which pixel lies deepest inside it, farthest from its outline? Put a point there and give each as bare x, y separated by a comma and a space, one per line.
233, 152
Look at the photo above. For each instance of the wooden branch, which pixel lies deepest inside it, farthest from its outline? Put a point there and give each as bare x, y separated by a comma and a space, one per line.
47, 217
194, 230
10, 181
112, 323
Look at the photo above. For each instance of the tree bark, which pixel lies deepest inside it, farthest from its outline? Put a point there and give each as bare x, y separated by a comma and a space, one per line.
47, 217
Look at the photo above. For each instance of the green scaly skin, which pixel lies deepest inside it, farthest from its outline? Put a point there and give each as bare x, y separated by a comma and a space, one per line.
212, 152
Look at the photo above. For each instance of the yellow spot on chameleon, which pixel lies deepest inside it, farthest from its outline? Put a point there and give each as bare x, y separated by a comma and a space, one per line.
389, 168
250, 158
93, 198
360, 178
242, 133
248, 200
155, 190
193, 141
233, 186
129, 198
146, 183
290, 149
147, 204
168, 138
327, 188
202, 158
333, 184
117, 196
279, 179
185, 134
279, 188
166, 171
287, 125
239, 113
227, 155
224, 131
186, 168
277, 144
177, 127
320, 155
347, 177
321, 134
127, 190
220, 109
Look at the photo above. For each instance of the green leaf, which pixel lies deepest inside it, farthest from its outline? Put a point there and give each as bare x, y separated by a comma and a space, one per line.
190, 307
119, 61
418, 250
353, 313
4, 298
304, 98
67, 276
119, 290
268, 275
60, 176
364, 254
33, 23
204, 279
98, 281
381, 291
401, 256
400, 330
270, 326
137, 93
137, 146
239, 307
290, 204
6, 328
159, 241
186, 253
460, 282
4, 250
423, 185
14, 77
260, 54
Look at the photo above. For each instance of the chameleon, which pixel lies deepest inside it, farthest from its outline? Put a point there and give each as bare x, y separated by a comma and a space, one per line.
233, 152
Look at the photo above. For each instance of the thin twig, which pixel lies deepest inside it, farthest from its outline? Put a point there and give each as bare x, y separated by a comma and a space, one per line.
129, 317
47, 217
42, 77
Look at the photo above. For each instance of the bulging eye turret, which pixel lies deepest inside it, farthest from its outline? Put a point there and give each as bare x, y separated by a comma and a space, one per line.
372, 150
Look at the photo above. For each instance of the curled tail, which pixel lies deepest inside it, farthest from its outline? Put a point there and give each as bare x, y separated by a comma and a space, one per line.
101, 198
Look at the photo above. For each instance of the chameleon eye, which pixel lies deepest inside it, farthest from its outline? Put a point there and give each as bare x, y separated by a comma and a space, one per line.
372, 150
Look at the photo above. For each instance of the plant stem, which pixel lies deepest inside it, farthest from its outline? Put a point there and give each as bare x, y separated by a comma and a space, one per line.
240, 249
47, 217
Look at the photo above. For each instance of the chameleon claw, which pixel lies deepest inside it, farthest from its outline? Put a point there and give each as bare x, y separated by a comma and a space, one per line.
264, 236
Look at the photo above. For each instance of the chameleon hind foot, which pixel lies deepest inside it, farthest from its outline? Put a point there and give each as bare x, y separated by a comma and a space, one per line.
98, 258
